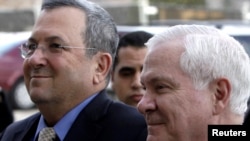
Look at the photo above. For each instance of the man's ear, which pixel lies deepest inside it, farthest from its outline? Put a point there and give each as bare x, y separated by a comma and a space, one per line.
103, 65
222, 91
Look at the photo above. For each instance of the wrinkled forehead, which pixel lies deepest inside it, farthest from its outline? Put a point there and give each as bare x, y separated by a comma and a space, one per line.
67, 23
162, 56
166, 49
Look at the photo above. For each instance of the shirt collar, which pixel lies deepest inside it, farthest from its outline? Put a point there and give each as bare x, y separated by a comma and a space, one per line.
63, 125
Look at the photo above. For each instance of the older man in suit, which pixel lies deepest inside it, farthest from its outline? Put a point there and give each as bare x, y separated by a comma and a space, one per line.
67, 63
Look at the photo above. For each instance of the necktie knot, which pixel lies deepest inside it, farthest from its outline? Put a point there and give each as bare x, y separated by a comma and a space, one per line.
47, 134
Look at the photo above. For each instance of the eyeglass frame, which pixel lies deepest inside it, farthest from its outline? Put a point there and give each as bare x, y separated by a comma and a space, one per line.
60, 47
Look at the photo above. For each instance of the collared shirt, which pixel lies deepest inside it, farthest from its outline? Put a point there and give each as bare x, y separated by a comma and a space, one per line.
63, 125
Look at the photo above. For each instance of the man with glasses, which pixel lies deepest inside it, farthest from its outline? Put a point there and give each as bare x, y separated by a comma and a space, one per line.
67, 62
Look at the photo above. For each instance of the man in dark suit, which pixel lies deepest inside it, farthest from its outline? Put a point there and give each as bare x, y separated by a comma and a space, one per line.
67, 63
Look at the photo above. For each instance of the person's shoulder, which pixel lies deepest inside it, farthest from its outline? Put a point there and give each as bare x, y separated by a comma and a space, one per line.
124, 111
119, 105
113, 110
247, 118
20, 126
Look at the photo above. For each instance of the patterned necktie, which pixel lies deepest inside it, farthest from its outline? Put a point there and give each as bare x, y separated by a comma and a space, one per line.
47, 134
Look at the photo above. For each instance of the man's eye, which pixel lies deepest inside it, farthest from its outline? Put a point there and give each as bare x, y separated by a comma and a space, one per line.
55, 46
31, 46
126, 73
162, 88
159, 87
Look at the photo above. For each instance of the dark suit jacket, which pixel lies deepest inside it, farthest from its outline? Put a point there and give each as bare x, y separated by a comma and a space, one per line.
6, 114
247, 118
101, 120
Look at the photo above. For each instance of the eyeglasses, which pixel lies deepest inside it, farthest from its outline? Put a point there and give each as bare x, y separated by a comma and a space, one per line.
27, 49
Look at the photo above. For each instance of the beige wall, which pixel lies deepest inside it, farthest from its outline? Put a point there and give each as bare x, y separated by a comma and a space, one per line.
19, 4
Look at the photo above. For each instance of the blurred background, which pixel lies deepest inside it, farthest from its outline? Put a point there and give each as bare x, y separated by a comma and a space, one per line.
19, 15
17, 18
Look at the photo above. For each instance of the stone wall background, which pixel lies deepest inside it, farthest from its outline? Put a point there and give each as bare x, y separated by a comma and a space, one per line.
19, 15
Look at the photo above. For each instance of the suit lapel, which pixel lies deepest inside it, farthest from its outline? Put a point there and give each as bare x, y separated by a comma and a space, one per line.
24, 130
88, 123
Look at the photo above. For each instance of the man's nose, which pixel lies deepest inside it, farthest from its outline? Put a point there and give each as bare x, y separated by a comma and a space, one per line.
136, 81
37, 58
147, 103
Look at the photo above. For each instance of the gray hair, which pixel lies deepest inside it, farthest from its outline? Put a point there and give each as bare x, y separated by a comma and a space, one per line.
101, 32
210, 54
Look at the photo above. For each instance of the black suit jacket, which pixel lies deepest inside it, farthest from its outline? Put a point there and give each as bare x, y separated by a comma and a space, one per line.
247, 118
6, 114
101, 120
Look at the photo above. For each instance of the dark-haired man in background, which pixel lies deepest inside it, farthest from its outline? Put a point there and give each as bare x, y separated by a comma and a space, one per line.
128, 66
